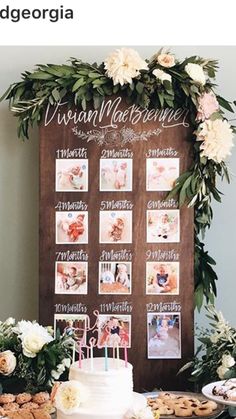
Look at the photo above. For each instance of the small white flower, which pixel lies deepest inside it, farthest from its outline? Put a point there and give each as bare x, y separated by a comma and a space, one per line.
70, 395
55, 374
196, 73
161, 75
221, 371
217, 141
123, 65
10, 321
227, 361
215, 337
66, 362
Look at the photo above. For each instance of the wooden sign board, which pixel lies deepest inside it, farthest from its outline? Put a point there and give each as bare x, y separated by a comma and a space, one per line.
109, 239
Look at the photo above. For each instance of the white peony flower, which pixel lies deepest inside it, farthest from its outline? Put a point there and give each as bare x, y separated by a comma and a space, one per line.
227, 361
217, 139
123, 65
7, 362
196, 73
161, 75
10, 321
166, 60
33, 337
221, 371
145, 413
70, 395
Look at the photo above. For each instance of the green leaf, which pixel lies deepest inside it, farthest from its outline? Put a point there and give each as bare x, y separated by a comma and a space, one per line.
139, 87
80, 82
40, 75
225, 104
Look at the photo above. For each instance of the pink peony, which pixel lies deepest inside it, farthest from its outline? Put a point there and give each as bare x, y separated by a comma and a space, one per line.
207, 105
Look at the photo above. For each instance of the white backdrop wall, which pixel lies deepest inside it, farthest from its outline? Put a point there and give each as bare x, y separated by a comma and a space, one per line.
19, 184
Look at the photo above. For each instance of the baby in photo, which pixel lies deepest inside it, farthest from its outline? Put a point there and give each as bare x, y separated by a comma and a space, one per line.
163, 226
114, 278
116, 227
162, 173
162, 278
115, 175
72, 175
72, 227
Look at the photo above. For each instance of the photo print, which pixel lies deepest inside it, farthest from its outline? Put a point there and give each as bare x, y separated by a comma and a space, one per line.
115, 278
71, 227
115, 226
161, 173
163, 336
71, 175
162, 278
114, 330
72, 325
116, 175
71, 278
163, 226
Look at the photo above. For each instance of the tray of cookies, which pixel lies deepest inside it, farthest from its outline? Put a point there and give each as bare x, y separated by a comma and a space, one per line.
221, 391
188, 405
26, 406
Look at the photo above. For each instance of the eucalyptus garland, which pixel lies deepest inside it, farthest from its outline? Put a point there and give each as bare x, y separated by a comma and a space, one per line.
160, 82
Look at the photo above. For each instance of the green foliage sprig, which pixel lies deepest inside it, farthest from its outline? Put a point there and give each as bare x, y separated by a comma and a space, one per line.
83, 84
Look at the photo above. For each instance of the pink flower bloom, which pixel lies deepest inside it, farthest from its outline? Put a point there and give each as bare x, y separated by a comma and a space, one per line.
207, 105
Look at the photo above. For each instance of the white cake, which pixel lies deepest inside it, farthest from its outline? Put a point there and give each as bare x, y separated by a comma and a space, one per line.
111, 392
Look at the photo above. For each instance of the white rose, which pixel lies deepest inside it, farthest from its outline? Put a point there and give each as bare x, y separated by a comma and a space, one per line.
221, 371
33, 337
10, 321
7, 362
166, 60
123, 65
70, 395
227, 361
217, 141
161, 75
196, 73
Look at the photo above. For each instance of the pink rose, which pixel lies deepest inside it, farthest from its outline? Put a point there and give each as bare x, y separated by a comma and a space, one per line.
207, 105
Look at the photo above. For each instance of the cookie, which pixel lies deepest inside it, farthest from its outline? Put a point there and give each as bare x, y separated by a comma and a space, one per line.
2, 412
29, 406
183, 411
203, 411
22, 398
41, 397
209, 403
25, 414
40, 414
11, 414
165, 395
11, 406
7, 398
48, 407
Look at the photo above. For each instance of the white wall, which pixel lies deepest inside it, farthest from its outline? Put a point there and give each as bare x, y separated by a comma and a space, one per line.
19, 184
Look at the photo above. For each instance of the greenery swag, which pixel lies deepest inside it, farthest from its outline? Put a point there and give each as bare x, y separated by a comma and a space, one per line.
160, 82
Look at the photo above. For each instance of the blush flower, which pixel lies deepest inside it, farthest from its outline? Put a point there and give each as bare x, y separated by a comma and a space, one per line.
217, 139
123, 65
166, 60
207, 105
7, 362
69, 396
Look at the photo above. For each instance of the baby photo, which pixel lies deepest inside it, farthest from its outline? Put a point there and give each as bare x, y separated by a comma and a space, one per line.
114, 330
71, 278
163, 335
71, 227
161, 174
72, 175
115, 175
162, 278
115, 226
72, 325
114, 278
163, 226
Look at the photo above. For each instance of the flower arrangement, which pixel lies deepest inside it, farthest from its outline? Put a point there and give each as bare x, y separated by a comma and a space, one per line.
30, 358
218, 345
163, 81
